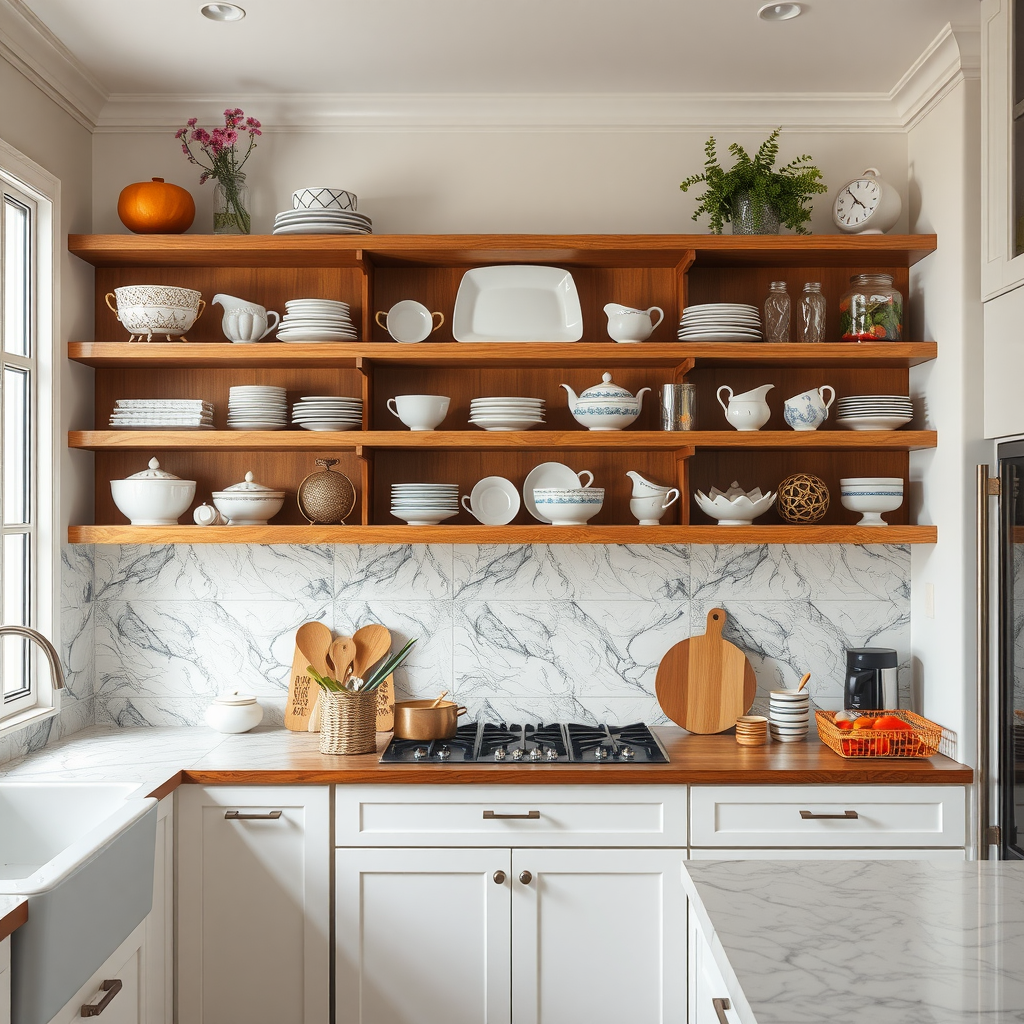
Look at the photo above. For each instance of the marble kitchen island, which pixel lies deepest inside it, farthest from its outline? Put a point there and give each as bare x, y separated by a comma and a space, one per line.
861, 942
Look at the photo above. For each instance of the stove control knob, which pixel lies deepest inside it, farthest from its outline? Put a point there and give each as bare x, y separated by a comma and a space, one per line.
626, 753
444, 754
551, 754
601, 754
419, 753
536, 755
499, 754
517, 754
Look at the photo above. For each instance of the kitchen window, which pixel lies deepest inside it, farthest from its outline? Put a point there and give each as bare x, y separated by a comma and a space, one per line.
28, 556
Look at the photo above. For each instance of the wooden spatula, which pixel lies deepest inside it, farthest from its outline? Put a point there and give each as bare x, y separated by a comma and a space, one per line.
343, 652
372, 644
311, 642
705, 683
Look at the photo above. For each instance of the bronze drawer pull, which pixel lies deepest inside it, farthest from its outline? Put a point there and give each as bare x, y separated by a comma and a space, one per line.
111, 988
809, 815
242, 816
493, 815
721, 1005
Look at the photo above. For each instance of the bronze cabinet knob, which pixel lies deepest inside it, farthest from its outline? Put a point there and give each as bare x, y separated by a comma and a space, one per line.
499, 877
525, 877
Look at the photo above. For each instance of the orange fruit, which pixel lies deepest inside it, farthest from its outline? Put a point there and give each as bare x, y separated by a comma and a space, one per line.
864, 723
891, 722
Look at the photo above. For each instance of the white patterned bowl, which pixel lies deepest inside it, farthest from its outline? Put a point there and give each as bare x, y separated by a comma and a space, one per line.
148, 309
323, 198
253, 509
569, 506
871, 496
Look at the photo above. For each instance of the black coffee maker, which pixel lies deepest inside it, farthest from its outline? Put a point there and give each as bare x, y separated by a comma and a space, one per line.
871, 679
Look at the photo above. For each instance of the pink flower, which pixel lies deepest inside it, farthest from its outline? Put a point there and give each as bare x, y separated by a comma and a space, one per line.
192, 121
180, 133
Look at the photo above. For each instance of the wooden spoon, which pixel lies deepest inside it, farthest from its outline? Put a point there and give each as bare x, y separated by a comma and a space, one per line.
372, 644
314, 640
803, 682
343, 652
444, 693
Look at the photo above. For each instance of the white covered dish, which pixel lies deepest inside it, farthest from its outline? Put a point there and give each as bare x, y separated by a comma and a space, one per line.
153, 497
248, 503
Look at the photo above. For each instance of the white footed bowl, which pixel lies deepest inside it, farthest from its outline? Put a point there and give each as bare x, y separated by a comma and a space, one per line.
148, 309
871, 496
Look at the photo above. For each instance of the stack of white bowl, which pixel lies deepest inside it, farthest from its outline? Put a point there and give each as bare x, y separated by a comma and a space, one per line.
874, 412
257, 407
324, 412
424, 504
322, 211
789, 712
506, 413
308, 320
721, 321
871, 495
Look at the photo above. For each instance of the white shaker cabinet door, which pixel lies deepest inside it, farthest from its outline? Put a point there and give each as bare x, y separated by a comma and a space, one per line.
423, 936
253, 904
598, 935
5, 981
710, 1000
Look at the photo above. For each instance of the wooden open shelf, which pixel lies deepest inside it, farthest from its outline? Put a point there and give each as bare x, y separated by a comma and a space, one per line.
537, 534
372, 272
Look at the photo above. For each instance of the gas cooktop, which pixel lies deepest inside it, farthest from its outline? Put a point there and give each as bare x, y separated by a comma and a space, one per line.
559, 743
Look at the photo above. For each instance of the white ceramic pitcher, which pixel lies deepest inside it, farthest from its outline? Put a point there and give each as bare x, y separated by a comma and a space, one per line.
748, 411
628, 326
245, 322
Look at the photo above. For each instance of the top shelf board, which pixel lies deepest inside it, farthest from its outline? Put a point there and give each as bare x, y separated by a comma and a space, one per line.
679, 251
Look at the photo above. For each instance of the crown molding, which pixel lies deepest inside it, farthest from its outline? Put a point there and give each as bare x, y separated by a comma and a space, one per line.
30, 47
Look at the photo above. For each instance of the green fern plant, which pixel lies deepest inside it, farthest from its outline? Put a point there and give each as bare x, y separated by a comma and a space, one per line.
787, 190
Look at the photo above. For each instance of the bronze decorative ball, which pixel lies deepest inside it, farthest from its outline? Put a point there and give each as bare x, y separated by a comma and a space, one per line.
327, 498
803, 498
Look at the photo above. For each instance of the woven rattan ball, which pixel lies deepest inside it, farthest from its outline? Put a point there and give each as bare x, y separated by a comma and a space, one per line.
326, 498
802, 498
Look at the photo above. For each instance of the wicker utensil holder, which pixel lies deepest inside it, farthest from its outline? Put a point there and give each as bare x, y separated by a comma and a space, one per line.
348, 722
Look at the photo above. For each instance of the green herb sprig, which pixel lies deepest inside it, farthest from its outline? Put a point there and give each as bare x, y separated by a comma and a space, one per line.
372, 681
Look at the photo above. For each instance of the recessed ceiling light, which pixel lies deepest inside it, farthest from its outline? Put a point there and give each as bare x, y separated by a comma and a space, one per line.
231, 12
780, 12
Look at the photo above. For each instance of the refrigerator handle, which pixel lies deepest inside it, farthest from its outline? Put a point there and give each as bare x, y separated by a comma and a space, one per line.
987, 487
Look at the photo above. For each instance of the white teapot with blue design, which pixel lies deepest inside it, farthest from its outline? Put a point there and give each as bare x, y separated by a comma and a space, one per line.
605, 406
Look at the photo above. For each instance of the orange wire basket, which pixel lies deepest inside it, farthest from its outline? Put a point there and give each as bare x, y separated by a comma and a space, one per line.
922, 741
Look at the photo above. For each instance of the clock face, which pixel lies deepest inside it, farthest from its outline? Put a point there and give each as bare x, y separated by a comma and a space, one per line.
857, 201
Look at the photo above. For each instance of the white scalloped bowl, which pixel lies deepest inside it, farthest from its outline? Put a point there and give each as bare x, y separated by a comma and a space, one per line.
735, 507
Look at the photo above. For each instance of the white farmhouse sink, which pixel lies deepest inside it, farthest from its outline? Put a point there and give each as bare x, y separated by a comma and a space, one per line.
83, 855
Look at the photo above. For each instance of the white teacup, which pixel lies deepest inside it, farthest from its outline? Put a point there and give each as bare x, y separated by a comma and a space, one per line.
628, 326
419, 412
807, 411
650, 510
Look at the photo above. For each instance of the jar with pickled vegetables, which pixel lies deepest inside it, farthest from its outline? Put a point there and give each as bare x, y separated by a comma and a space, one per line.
872, 309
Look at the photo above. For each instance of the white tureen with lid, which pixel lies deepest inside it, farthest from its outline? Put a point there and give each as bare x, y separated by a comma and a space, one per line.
248, 503
605, 406
153, 497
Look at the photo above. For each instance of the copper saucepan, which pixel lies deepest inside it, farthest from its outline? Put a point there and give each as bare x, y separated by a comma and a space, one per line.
421, 720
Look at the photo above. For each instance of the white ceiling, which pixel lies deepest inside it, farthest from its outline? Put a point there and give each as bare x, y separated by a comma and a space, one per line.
497, 46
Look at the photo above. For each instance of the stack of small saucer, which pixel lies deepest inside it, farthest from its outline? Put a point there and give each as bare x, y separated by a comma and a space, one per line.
790, 712
154, 413
751, 730
257, 407
316, 320
424, 504
324, 412
721, 321
506, 413
874, 412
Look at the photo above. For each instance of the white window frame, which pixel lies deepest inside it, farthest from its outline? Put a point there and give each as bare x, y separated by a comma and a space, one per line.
24, 176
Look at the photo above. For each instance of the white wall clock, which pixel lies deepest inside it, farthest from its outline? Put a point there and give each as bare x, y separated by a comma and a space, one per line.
867, 205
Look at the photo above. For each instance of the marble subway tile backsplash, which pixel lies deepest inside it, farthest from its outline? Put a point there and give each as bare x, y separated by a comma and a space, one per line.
514, 632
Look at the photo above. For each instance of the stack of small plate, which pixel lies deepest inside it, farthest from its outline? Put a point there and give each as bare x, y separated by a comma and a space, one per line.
506, 413
257, 407
721, 321
322, 222
874, 412
155, 413
751, 730
324, 412
790, 713
316, 320
424, 504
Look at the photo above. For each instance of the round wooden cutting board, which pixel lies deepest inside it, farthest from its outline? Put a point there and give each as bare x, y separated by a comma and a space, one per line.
705, 683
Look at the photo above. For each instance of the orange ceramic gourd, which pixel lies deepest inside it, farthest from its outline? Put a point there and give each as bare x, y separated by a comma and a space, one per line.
156, 208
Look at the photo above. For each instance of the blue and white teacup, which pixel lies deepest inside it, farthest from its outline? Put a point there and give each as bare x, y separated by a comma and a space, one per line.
809, 410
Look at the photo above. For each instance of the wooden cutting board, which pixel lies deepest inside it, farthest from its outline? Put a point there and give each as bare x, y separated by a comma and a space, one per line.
705, 683
386, 705
303, 694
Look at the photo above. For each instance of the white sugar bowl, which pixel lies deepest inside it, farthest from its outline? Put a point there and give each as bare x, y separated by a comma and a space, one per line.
248, 503
153, 497
234, 712
605, 406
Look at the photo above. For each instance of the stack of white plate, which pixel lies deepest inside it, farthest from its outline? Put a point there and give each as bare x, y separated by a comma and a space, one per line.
506, 413
257, 407
323, 412
316, 320
155, 413
721, 321
322, 222
424, 504
874, 412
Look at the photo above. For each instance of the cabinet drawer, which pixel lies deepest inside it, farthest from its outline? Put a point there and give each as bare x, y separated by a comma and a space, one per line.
827, 816
510, 815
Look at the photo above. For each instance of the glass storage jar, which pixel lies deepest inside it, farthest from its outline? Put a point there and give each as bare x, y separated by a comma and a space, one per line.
810, 326
777, 313
872, 309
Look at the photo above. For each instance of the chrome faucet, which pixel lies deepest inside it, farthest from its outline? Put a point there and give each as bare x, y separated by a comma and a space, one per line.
56, 672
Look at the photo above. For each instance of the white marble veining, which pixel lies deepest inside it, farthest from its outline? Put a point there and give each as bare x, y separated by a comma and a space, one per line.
393, 572
862, 942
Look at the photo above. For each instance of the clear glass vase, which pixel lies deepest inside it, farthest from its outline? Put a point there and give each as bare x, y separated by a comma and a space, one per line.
777, 313
871, 310
231, 206
752, 218
810, 326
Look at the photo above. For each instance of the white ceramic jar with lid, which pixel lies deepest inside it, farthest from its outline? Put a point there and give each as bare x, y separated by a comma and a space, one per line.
248, 503
153, 497
234, 712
